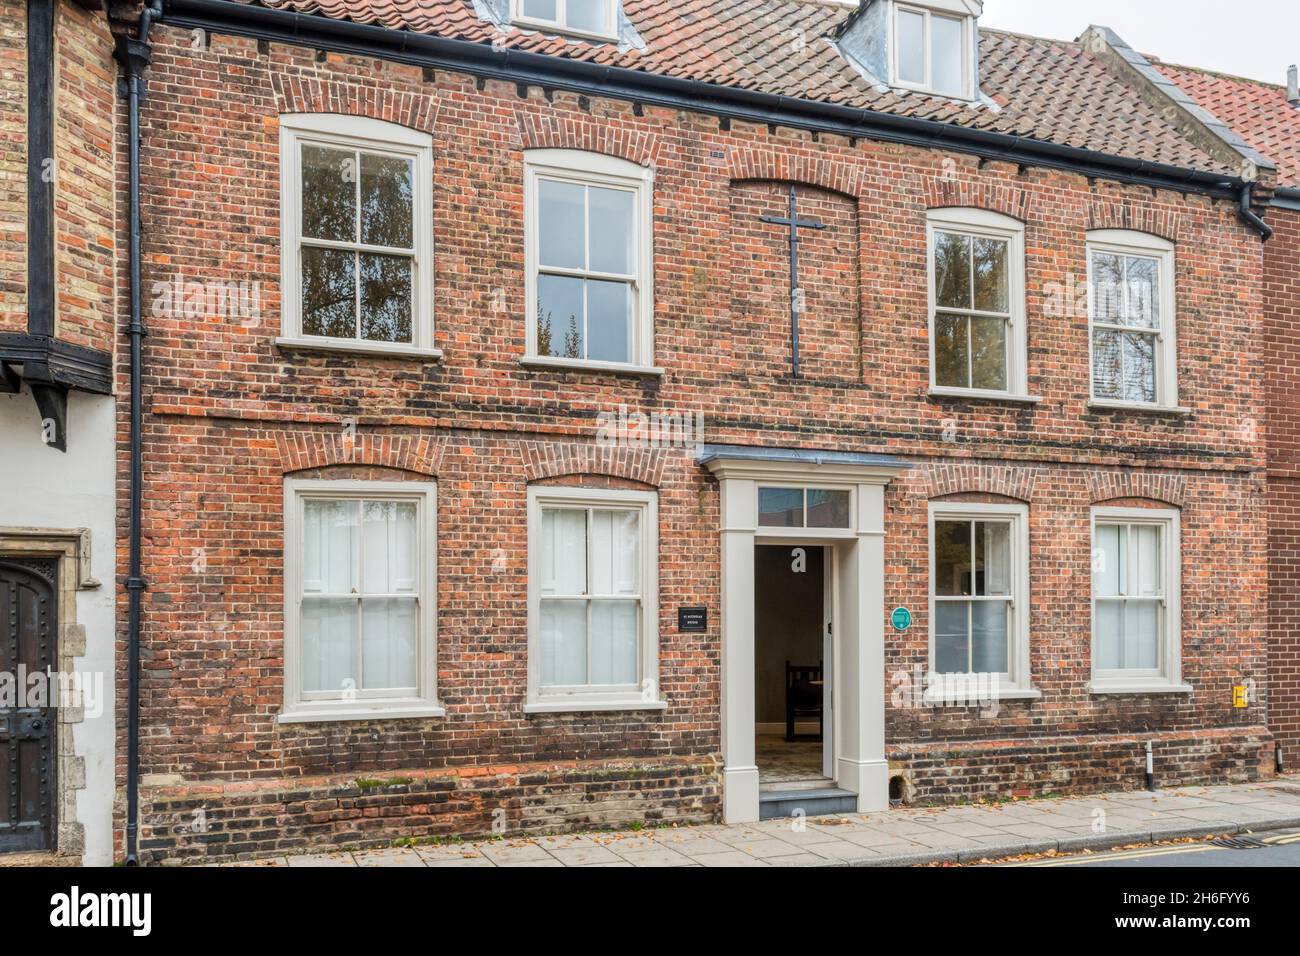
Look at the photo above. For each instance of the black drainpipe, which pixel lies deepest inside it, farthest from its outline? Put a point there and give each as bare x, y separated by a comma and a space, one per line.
134, 55
1249, 216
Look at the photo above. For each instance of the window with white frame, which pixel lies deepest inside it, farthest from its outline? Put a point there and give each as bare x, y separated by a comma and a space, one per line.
1131, 307
932, 48
589, 249
1135, 599
589, 18
977, 302
593, 599
356, 232
798, 507
979, 591
359, 599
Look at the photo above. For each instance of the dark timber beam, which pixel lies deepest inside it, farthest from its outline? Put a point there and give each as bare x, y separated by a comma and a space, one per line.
40, 167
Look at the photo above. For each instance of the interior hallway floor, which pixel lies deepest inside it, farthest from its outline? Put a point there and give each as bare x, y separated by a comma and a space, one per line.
784, 762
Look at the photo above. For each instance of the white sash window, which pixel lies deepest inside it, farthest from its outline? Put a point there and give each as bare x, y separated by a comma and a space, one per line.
979, 594
1135, 601
592, 599
359, 615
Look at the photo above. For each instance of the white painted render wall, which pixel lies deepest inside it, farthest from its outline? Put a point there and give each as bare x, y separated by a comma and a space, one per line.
43, 487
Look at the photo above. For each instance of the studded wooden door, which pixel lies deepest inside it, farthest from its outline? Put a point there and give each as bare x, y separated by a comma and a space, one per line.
28, 750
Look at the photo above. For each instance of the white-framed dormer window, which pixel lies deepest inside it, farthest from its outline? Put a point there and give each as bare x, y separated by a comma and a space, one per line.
593, 607
1136, 601
356, 234
1131, 308
977, 303
588, 223
597, 19
979, 595
360, 589
932, 47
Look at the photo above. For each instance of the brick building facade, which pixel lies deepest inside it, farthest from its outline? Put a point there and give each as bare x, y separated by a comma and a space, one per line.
1268, 118
373, 442
239, 407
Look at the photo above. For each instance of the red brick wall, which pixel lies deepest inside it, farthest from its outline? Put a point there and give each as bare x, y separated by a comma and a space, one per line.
757, 335
1282, 357
229, 415
85, 249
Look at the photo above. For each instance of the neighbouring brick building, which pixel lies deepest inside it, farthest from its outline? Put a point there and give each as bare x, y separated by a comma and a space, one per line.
418, 280
1267, 117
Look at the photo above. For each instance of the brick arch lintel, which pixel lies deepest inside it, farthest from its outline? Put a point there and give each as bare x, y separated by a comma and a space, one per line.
1122, 214
302, 451
544, 460
538, 130
299, 94
1111, 485
953, 192
822, 172
952, 478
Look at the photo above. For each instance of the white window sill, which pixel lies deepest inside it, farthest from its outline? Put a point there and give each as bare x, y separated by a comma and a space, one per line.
359, 347
1104, 404
902, 86
936, 698
979, 395
577, 705
582, 365
340, 712
559, 29
1135, 687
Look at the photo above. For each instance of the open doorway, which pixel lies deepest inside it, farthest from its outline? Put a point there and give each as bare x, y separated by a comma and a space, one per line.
791, 667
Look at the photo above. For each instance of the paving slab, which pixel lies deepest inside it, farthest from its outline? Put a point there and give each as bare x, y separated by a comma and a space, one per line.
323, 859
804, 860
394, 857
506, 853
732, 835
439, 852
875, 838
585, 855
767, 848
729, 858
657, 857
464, 861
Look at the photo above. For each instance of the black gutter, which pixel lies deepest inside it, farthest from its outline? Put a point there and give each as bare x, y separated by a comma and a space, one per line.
134, 55
592, 79
1287, 197
1248, 214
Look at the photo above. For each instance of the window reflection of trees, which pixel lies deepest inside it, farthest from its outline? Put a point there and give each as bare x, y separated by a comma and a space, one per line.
364, 201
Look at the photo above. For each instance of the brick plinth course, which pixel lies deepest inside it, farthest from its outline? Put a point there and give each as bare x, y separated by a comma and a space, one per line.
223, 821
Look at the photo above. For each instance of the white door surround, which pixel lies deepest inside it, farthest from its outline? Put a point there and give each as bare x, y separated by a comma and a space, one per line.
858, 569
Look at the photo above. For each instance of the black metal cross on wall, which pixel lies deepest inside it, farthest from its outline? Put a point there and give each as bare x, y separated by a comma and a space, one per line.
796, 294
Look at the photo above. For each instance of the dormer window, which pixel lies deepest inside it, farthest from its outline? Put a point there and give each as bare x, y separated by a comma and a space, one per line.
933, 48
597, 19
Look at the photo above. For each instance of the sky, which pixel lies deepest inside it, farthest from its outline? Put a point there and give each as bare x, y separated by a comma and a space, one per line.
1254, 38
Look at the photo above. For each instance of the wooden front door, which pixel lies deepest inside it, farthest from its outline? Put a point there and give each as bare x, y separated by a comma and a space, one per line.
28, 750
